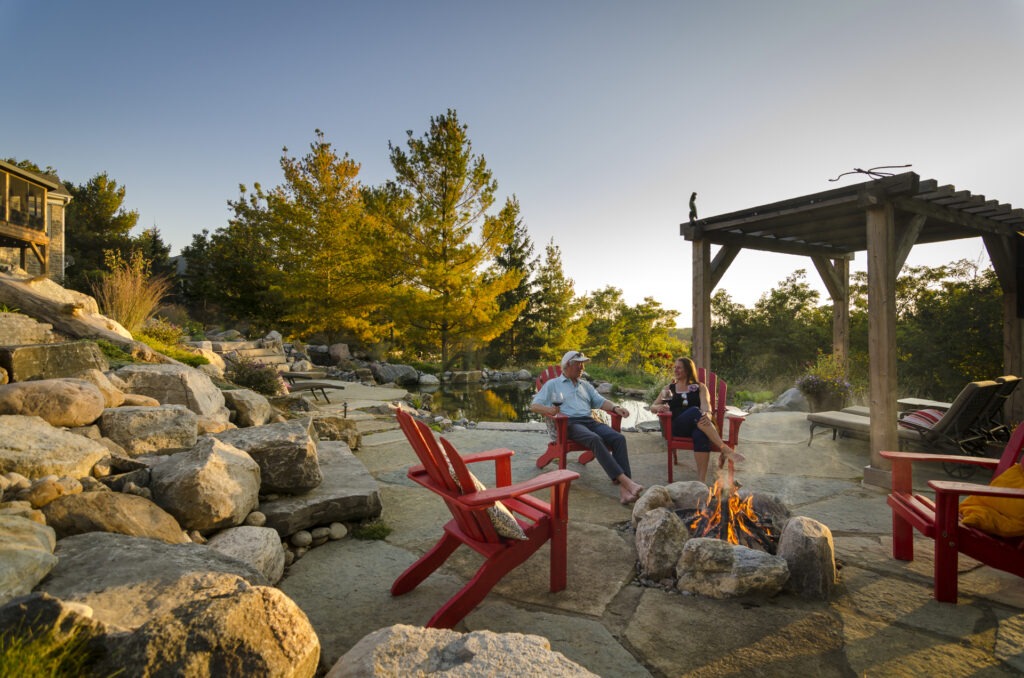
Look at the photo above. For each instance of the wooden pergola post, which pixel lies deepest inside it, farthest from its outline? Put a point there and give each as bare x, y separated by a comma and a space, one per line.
881, 238
835, 274
702, 303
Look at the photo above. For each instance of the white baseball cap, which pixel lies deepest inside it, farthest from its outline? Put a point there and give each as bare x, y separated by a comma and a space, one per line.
573, 357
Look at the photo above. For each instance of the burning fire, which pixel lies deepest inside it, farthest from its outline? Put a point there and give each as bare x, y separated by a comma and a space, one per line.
725, 515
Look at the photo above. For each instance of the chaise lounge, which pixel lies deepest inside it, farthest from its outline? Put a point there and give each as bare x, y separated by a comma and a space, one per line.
955, 429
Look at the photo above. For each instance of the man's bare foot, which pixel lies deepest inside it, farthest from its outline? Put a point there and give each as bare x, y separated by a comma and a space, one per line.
628, 495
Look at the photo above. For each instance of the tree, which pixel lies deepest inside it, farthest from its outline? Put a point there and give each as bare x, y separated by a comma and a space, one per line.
557, 312
333, 279
155, 251
444, 241
518, 344
606, 339
96, 222
198, 283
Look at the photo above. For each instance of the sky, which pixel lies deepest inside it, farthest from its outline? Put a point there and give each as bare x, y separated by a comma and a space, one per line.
600, 116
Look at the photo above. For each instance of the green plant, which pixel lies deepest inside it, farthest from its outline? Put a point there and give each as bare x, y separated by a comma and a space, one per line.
374, 529
824, 378
31, 655
114, 353
257, 376
163, 330
128, 293
741, 396
4, 308
182, 355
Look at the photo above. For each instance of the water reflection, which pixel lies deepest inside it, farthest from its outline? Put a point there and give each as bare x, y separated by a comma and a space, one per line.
506, 401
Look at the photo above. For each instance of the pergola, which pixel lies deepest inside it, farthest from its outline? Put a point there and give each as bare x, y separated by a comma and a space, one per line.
884, 217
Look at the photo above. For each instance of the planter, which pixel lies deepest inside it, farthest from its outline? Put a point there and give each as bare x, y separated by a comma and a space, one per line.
826, 402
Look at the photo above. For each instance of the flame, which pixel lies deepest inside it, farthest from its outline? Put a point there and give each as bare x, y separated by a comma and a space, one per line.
740, 519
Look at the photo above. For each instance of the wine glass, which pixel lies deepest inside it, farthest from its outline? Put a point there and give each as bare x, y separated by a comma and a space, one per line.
557, 399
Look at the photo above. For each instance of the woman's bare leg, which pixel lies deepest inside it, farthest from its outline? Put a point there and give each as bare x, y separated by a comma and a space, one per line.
702, 459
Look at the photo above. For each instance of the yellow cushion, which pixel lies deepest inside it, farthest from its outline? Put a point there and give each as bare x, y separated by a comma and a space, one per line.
996, 515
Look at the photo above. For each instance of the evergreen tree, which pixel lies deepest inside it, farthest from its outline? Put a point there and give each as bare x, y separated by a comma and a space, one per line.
443, 242
518, 344
96, 221
557, 319
198, 285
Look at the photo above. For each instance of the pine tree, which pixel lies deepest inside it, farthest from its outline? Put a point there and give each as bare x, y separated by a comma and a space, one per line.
443, 242
518, 344
557, 318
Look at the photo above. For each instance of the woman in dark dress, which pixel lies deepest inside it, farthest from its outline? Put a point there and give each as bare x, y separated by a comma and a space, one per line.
690, 404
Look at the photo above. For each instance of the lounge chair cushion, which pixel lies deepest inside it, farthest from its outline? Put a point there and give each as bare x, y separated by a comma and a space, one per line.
921, 418
505, 524
995, 515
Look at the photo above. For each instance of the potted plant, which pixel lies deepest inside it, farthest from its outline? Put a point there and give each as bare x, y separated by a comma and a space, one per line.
824, 384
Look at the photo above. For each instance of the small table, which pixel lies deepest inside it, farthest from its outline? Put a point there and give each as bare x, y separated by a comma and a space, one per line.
921, 403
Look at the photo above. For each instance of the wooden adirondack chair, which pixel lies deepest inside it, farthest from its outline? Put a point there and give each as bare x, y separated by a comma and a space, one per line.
939, 519
561, 446
717, 391
471, 524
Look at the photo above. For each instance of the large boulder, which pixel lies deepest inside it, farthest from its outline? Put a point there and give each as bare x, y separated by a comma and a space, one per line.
385, 373
112, 395
60, 402
403, 650
260, 547
150, 430
38, 615
26, 555
176, 385
128, 581
809, 551
112, 512
718, 569
242, 631
348, 493
34, 449
51, 361
286, 453
211, 486
249, 407
660, 538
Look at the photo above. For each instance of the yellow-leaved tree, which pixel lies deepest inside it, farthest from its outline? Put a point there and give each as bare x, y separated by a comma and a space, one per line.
442, 242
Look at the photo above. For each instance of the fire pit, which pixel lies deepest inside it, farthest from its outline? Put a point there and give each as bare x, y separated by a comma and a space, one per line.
724, 514
712, 542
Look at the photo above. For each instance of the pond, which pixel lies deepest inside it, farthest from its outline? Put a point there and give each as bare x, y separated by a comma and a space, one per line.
506, 401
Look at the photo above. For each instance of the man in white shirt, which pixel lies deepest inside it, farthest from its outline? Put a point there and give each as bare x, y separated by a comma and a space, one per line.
575, 398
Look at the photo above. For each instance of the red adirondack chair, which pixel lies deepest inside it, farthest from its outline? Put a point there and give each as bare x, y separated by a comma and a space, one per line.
471, 525
716, 390
561, 447
939, 519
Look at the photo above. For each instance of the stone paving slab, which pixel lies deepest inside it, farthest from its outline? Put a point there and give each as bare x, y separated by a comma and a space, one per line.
882, 620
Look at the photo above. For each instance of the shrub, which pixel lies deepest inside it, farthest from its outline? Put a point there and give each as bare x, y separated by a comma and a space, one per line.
128, 293
257, 376
163, 330
182, 355
114, 354
825, 377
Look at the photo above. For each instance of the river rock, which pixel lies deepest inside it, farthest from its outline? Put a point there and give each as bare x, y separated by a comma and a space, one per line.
60, 402
145, 430
26, 555
655, 496
285, 452
212, 486
112, 512
386, 373
260, 547
33, 448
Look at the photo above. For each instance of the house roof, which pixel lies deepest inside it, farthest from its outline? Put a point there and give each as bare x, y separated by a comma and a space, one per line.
832, 223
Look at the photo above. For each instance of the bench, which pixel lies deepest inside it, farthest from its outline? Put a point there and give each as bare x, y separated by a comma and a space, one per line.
313, 386
850, 420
